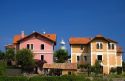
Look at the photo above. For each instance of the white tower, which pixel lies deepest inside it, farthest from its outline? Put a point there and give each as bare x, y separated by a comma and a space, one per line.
62, 45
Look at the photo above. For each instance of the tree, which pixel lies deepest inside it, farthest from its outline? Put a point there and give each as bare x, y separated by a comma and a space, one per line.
10, 56
2, 67
24, 58
2, 55
123, 66
62, 55
97, 67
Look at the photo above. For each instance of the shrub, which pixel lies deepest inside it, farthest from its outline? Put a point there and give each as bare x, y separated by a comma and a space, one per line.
13, 78
113, 70
2, 67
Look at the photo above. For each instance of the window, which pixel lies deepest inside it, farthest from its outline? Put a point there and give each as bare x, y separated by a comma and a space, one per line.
81, 47
111, 46
31, 46
42, 58
28, 46
85, 57
99, 57
78, 58
99, 45
42, 46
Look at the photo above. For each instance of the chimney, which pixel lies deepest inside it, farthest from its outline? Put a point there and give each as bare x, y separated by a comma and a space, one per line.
22, 34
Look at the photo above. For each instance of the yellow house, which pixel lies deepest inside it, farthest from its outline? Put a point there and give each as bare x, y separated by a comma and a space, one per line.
88, 50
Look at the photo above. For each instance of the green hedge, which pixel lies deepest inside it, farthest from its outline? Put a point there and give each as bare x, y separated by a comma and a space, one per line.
40, 78
13, 78
62, 78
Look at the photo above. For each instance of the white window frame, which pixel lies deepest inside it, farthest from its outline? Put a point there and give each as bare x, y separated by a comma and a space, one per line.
99, 45
30, 46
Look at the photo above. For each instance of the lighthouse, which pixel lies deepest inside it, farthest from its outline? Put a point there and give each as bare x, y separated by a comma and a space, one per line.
62, 45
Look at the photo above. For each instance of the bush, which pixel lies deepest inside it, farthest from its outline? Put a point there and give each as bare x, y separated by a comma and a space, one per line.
2, 67
113, 70
13, 78
59, 78
119, 70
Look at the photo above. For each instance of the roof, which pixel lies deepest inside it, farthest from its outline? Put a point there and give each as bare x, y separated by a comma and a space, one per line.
18, 38
74, 40
80, 40
102, 37
119, 49
10, 46
68, 66
50, 36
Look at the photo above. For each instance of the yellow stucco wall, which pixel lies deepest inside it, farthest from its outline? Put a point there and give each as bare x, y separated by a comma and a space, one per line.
119, 58
77, 49
94, 49
105, 70
112, 59
109, 56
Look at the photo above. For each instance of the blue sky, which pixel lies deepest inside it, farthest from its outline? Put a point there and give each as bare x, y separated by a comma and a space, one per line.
66, 18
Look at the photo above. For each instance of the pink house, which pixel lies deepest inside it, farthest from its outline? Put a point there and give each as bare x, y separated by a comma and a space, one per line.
42, 45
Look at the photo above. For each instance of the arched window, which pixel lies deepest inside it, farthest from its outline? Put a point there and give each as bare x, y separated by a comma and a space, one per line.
101, 46
97, 45
113, 46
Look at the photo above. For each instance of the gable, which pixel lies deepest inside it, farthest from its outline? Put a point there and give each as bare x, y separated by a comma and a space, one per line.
37, 35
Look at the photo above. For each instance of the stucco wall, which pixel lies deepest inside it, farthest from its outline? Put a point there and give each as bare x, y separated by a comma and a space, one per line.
48, 48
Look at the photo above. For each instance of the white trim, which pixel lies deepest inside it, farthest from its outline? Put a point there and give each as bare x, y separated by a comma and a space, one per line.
79, 58
91, 54
111, 47
42, 52
99, 45
119, 65
81, 53
107, 58
103, 52
71, 53
121, 60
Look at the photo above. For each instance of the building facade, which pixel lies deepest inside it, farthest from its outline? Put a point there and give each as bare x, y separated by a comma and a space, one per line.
42, 45
88, 50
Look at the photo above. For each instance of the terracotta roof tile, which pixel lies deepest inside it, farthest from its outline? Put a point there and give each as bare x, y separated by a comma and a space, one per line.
119, 49
10, 46
16, 38
68, 66
50, 36
79, 40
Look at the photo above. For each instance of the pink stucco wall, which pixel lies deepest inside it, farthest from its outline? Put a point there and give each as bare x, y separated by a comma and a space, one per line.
48, 48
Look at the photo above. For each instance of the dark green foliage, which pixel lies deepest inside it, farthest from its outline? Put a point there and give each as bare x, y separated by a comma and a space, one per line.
24, 58
123, 66
96, 68
119, 70
2, 67
13, 78
62, 55
2, 55
113, 70
10, 54
56, 78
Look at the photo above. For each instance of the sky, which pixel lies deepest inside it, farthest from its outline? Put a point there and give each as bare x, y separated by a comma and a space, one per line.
66, 18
